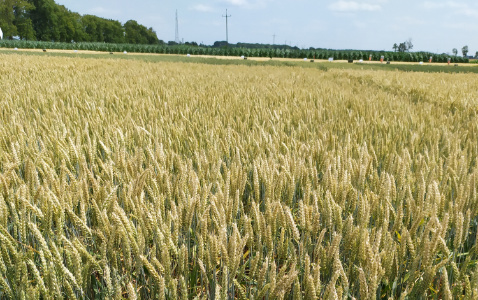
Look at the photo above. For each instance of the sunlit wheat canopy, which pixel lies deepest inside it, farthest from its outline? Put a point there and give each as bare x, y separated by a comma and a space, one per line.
127, 178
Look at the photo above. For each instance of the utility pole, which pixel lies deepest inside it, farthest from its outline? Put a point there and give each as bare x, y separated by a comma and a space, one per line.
273, 39
227, 36
177, 28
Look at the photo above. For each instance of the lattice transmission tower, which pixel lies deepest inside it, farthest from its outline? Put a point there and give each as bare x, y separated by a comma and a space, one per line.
177, 28
227, 30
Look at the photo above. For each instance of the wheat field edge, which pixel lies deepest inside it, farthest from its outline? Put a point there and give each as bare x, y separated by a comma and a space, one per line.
126, 179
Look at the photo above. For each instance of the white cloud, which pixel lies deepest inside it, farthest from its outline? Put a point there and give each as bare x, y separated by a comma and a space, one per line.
238, 2
462, 26
353, 6
104, 12
248, 3
454, 7
361, 25
98, 10
469, 12
447, 4
407, 20
202, 8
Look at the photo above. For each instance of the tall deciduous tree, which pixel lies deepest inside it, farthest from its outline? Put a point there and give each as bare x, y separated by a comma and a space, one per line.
408, 44
464, 51
47, 21
139, 34
7, 18
22, 11
403, 47
15, 19
102, 30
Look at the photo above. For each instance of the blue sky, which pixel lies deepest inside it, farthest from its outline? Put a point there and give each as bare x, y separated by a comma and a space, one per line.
437, 26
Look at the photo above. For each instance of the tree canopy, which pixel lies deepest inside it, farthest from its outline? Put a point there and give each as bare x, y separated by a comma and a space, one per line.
403, 47
464, 50
46, 20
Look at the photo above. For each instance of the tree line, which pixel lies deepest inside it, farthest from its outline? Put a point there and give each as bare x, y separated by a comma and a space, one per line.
407, 46
45, 20
464, 51
194, 49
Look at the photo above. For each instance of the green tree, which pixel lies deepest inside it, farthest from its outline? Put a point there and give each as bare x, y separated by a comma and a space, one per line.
113, 32
90, 24
455, 51
22, 21
15, 19
408, 45
45, 20
404, 47
102, 30
7, 18
66, 24
464, 51
25, 29
139, 34
79, 34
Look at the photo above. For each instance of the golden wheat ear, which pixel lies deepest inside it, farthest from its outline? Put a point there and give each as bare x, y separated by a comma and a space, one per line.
156, 178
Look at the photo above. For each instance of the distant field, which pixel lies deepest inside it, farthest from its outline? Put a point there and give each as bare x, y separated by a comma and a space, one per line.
254, 51
173, 177
236, 60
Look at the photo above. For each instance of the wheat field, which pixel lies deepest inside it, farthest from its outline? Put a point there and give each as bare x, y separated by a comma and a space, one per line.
127, 179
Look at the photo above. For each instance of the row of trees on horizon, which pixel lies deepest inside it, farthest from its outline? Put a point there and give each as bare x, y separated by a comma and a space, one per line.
45, 20
408, 45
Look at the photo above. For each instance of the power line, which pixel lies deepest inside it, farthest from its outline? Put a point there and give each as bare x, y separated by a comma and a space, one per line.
227, 33
177, 28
